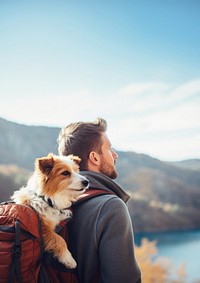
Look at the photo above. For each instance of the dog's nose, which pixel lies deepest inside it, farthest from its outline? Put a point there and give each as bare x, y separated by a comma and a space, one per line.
85, 183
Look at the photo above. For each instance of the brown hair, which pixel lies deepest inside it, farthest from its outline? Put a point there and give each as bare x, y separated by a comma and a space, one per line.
81, 138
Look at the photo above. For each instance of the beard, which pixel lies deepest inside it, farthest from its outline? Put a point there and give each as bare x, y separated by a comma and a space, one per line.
108, 170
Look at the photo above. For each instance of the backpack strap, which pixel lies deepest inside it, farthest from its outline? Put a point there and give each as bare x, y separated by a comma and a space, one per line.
15, 264
91, 193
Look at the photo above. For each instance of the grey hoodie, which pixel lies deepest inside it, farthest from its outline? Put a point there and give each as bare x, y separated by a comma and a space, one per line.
101, 235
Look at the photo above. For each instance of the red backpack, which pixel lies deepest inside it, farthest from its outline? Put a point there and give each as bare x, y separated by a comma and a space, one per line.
21, 244
22, 255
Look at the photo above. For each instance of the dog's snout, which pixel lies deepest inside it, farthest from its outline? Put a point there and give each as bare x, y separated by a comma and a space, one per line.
85, 183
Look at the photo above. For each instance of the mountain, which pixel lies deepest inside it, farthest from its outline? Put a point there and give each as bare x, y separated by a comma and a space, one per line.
20, 144
192, 164
164, 195
12, 177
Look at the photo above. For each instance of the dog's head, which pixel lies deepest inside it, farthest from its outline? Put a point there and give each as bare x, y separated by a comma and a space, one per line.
59, 179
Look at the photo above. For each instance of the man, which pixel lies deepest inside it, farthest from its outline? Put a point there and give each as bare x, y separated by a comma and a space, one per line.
100, 235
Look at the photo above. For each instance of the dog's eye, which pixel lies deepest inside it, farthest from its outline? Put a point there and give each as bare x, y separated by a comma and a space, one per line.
65, 173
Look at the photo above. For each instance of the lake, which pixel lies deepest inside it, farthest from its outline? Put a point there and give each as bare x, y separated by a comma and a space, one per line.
179, 247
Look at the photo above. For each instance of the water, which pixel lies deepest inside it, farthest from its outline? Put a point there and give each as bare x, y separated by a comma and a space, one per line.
179, 247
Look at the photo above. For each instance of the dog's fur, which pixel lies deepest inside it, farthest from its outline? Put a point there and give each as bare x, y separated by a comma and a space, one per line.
52, 188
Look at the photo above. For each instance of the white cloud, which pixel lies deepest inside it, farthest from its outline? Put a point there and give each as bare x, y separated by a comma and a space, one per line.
154, 118
151, 97
137, 88
165, 126
186, 90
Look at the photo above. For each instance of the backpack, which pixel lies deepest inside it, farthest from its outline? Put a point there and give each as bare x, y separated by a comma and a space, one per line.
21, 244
22, 255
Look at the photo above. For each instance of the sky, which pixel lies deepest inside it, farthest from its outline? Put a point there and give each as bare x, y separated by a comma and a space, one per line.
134, 63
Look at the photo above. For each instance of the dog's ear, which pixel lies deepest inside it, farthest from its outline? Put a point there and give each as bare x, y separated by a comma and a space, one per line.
76, 159
45, 164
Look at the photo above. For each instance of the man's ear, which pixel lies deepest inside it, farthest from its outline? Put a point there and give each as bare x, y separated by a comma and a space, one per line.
94, 158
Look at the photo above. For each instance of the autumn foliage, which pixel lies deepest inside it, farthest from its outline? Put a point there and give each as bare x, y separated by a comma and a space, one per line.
155, 269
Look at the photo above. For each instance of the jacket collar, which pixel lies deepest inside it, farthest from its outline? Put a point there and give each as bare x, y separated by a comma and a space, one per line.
101, 181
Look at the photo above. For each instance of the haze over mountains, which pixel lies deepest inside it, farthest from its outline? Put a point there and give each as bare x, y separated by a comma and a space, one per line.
164, 195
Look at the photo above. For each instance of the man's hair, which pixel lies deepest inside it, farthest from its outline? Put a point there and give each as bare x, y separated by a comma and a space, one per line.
81, 138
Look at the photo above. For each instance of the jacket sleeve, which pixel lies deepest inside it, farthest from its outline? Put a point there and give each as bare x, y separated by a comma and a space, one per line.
115, 240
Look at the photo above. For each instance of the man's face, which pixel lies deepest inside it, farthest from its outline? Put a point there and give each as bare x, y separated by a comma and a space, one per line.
108, 158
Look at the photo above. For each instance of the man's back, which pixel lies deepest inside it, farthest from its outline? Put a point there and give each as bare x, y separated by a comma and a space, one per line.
101, 237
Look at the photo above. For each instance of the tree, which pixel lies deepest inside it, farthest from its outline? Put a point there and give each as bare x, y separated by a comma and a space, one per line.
155, 269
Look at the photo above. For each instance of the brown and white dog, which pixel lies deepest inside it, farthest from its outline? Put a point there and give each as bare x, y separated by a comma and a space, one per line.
54, 185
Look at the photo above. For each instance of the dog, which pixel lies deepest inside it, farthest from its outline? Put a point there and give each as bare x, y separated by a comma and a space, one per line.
54, 185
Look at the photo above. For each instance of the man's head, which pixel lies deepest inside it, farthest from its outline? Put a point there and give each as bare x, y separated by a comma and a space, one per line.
89, 141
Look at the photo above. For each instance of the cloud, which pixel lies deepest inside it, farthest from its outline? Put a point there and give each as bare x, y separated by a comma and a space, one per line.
154, 118
161, 120
156, 97
137, 88
187, 90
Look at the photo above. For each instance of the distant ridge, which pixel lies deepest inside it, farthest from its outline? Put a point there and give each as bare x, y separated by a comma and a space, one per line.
21, 144
164, 195
192, 164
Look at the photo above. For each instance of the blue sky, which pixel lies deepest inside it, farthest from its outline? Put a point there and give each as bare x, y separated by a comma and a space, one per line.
134, 63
